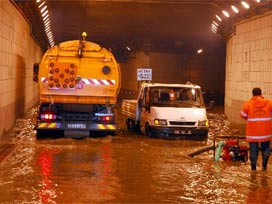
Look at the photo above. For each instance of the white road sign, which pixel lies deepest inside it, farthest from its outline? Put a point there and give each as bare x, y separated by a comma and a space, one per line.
144, 74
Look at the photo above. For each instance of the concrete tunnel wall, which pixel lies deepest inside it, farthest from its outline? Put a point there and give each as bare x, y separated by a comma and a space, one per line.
18, 53
173, 68
248, 65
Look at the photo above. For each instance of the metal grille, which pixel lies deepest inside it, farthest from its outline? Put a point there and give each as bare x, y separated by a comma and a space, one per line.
182, 123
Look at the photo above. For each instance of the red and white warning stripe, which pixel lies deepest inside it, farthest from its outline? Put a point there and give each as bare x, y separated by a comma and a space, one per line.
98, 82
44, 80
106, 82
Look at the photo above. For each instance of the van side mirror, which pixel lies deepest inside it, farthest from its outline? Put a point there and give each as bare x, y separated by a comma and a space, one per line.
35, 72
141, 103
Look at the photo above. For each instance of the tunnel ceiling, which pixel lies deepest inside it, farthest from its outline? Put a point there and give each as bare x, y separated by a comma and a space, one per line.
153, 25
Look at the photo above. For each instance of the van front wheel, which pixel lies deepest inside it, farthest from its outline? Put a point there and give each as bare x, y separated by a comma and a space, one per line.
147, 130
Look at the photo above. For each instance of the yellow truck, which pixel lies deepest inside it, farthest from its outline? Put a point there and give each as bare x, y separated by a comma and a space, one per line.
79, 82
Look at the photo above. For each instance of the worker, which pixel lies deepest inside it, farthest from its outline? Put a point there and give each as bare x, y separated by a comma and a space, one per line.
184, 95
257, 111
155, 96
172, 95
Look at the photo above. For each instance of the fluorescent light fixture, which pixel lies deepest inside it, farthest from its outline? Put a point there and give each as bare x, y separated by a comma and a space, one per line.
214, 26
215, 31
218, 17
41, 4
226, 13
213, 22
45, 13
199, 51
46, 17
43, 9
245, 4
47, 29
258, 1
49, 33
234, 9
47, 20
46, 23
128, 48
37, 1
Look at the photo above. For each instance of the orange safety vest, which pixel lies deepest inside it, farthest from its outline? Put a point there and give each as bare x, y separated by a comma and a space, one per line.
257, 111
172, 95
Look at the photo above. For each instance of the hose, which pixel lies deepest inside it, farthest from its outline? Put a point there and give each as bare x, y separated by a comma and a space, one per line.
201, 151
218, 151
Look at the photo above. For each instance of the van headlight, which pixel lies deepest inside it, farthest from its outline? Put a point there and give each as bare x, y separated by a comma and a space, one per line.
160, 121
203, 123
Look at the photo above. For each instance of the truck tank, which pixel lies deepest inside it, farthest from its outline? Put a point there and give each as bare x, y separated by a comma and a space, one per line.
79, 82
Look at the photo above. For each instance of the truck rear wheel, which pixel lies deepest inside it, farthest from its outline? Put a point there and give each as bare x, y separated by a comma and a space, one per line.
40, 134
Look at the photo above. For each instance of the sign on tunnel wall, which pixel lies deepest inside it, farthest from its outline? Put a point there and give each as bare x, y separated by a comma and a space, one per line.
144, 74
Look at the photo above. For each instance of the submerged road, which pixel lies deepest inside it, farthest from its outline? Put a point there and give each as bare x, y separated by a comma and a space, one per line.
126, 168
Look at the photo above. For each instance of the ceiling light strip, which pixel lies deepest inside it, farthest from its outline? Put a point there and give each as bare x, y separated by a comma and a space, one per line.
215, 24
46, 21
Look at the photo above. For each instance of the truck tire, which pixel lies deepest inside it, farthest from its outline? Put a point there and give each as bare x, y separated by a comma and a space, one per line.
147, 130
41, 134
112, 133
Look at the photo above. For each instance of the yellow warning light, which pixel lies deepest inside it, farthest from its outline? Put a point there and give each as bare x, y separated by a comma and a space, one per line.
84, 34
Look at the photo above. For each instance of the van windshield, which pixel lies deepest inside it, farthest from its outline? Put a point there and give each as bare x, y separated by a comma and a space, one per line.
176, 97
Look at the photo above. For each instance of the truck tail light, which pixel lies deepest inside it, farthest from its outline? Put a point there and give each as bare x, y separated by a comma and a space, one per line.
48, 116
105, 117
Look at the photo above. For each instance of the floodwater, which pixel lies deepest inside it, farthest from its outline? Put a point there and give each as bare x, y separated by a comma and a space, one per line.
126, 168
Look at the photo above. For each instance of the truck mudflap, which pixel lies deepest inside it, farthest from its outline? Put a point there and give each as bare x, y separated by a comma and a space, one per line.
178, 132
75, 126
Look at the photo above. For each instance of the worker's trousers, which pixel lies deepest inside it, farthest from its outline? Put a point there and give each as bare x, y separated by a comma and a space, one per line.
254, 150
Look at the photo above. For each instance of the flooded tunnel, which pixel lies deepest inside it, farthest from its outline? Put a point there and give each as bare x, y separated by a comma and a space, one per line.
129, 167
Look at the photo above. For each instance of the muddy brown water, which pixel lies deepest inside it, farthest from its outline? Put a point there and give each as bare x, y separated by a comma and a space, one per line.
126, 168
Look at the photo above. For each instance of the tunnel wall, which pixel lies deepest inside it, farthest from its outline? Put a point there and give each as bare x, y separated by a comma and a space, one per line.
248, 65
174, 68
18, 53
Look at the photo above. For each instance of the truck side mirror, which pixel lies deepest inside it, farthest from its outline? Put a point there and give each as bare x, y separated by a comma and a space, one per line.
35, 72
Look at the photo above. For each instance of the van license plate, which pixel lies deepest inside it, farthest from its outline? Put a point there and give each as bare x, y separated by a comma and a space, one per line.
77, 126
183, 132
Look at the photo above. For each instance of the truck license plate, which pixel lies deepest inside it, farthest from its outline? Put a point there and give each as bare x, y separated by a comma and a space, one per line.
77, 126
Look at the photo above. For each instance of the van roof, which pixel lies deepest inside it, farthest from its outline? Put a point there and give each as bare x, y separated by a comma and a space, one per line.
188, 85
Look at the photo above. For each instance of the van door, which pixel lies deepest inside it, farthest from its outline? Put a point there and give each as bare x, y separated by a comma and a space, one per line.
145, 111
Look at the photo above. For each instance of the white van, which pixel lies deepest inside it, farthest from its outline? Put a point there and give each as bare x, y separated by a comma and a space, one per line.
168, 111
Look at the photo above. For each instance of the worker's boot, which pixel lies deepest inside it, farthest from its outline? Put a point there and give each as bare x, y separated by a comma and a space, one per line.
265, 160
253, 167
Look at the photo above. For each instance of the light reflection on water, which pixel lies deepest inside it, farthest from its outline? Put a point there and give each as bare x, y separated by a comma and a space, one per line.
127, 168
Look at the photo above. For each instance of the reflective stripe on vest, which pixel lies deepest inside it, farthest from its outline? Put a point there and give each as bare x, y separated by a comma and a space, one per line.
258, 119
243, 114
259, 137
